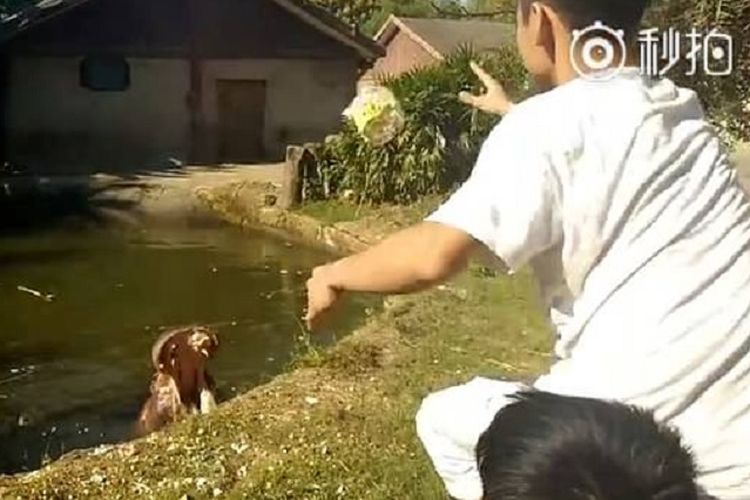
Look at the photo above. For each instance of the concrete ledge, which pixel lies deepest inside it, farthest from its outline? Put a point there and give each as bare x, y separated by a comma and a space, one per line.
242, 204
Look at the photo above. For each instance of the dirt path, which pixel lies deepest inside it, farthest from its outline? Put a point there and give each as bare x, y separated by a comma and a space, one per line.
173, 194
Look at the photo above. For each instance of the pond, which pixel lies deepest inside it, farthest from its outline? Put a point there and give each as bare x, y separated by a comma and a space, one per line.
74, 370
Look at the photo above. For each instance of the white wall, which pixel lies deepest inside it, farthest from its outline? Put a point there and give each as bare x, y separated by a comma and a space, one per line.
54, 124
305, 98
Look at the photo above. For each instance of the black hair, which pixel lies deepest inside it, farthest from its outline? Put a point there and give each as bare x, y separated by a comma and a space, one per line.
579, 14
549, 447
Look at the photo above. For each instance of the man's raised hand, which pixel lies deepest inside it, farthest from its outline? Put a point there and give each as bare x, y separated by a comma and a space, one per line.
494, 101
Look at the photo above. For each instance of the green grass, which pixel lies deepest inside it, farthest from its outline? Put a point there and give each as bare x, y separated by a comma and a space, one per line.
479, 326
333, 212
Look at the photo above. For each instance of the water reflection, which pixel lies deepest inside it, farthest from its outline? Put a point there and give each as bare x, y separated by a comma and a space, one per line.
74, 371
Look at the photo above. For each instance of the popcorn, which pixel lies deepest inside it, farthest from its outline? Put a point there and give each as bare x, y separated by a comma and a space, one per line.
377, 115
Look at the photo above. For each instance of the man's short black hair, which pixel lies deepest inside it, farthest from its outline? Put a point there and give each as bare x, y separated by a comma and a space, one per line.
549, 447
579, 14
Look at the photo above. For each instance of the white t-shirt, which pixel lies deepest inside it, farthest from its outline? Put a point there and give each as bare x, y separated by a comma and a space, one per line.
621, 198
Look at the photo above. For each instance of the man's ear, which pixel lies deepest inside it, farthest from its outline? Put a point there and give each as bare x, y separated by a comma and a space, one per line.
551, 24
542, 19
545, 18
534, 21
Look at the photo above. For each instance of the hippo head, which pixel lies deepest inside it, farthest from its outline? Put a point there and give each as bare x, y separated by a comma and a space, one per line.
190, 342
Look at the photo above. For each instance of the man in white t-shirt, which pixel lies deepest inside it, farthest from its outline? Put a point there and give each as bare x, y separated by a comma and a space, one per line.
619, 195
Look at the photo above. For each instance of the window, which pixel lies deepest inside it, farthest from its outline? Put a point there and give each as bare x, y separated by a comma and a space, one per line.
105, 73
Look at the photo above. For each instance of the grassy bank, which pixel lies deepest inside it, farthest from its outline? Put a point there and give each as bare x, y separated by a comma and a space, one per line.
340, 424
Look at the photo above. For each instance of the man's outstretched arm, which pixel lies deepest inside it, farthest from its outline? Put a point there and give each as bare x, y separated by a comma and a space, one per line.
409, 261
412, 260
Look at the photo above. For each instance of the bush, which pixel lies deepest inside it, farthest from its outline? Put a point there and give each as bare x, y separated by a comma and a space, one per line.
436, 150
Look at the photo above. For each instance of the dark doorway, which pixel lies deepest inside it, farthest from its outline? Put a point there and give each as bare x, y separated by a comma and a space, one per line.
242, 110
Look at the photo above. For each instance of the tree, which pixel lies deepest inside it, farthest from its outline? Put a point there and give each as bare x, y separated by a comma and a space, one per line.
370, 15
354, 12
407, 8
724, 97
493, 7
413, 8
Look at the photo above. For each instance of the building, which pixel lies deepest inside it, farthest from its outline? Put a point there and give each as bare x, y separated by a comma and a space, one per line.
113, 85
412, 43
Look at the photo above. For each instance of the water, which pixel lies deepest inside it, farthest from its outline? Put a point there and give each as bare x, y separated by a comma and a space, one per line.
74, 371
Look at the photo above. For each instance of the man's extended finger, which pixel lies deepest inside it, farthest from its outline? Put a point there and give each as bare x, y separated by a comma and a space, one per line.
485, 77
317, 321
309, 320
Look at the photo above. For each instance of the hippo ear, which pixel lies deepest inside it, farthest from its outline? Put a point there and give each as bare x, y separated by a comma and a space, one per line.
157, 353
163, 351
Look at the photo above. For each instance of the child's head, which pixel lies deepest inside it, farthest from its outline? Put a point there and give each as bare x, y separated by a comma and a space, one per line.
545, 31
549, 447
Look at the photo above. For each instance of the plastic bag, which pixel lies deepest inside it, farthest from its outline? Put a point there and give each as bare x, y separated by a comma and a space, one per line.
377, 115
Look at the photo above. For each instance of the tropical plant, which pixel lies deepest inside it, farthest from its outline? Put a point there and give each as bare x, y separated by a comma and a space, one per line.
370, 15
435, 151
